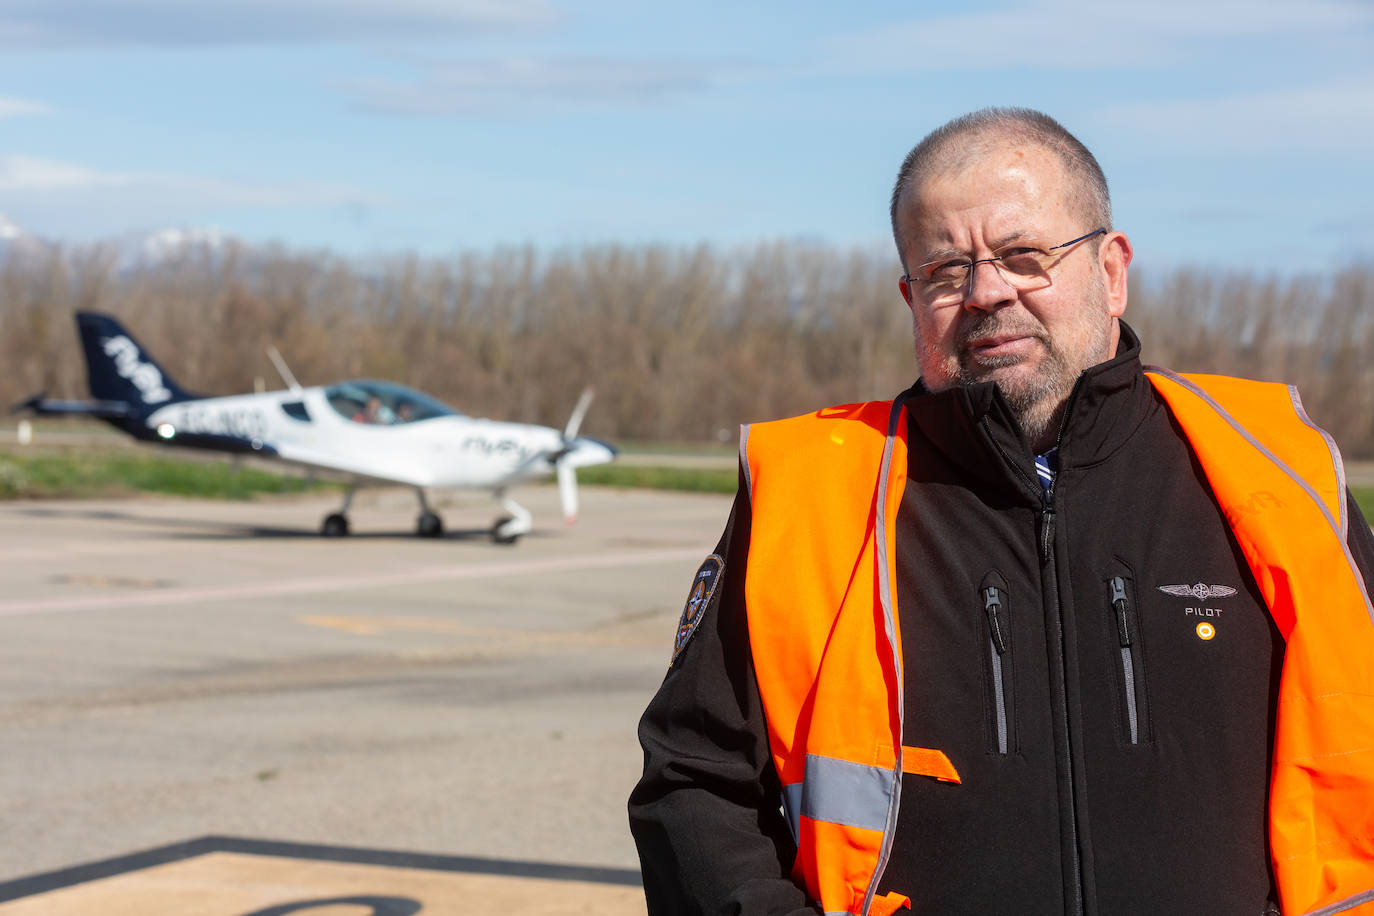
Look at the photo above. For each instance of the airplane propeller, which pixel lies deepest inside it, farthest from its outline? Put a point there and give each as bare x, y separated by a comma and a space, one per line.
579, 411
566, 473
567, 491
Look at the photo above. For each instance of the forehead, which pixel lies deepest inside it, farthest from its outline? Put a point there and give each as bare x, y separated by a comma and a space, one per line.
1006, 191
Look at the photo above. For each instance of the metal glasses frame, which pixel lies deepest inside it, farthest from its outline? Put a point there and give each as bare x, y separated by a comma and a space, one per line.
974, 262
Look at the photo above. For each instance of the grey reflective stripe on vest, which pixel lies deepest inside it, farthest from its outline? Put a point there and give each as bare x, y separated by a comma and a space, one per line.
894, 782
1335, 452
844, 792
1348, 903
1336, 527
744, 461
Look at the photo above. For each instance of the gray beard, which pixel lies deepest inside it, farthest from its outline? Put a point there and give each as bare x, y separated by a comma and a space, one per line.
1037, 403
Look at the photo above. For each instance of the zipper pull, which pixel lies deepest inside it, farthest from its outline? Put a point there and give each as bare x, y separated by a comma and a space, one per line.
1046, 525
1123, 630
992, 600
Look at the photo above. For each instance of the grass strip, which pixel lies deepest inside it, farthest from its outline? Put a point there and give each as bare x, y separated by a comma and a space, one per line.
95, 474
100, 473
1364, 497
697, 480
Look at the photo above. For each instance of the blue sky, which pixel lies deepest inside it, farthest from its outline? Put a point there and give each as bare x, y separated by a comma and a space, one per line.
1234, 134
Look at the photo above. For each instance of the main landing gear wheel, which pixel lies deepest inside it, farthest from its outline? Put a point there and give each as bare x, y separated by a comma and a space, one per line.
429, 525
335, 525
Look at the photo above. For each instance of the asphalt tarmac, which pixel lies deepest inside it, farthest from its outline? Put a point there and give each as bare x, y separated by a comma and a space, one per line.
208, 699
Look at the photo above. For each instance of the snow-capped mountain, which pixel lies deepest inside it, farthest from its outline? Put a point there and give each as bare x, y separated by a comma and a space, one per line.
162, 244
132, 251
17, 243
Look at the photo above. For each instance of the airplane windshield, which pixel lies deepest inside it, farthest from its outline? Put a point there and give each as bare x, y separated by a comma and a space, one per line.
384, 403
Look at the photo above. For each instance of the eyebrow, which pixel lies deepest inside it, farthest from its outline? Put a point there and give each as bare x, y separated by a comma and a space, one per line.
940, 254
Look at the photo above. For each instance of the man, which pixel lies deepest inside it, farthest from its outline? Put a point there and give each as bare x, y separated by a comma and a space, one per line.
1046, 634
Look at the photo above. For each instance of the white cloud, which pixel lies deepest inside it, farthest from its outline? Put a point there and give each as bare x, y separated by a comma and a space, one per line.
514, 86
12, 107
31, 24
1088, 35
32, 176
27, 173
1331, 120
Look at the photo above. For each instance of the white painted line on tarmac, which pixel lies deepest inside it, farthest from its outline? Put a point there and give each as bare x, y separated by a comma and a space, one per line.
323, 584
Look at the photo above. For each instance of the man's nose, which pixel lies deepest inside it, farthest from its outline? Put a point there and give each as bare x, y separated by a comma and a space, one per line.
987, 287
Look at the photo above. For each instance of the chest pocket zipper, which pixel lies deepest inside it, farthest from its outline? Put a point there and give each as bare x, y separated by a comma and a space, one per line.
996, 609
1131, 668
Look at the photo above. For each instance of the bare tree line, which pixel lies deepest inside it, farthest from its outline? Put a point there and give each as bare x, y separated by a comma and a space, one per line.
680, 343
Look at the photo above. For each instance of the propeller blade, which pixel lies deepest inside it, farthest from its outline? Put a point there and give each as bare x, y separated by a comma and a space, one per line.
567, 491
580, 411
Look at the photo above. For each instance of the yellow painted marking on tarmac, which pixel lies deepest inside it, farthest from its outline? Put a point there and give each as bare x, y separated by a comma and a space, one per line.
359, 626
236, 884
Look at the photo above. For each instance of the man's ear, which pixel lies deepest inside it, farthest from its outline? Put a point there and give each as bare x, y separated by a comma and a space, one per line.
905, 288
1116, 262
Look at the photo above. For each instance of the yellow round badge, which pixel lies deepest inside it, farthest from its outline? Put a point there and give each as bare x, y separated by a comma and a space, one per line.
1206, 631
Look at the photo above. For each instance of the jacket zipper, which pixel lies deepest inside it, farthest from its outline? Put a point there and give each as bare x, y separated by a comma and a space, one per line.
994, 607
1049, 573
1051, 576
1123, 634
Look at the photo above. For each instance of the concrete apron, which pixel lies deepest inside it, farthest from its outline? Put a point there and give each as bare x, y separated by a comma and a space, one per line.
232, 883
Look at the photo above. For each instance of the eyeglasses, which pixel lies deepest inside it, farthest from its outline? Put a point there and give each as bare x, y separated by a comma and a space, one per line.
1022, 265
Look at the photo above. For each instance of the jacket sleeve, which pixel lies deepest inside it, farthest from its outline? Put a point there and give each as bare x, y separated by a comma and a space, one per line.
706, 814
1360, 540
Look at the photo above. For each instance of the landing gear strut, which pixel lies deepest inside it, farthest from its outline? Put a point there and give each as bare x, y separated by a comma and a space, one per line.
336, 523
429, 524
508, 529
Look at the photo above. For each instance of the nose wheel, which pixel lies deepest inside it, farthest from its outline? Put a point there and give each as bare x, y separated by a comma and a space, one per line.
509, 529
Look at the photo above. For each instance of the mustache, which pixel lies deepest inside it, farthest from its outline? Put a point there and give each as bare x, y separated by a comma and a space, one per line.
999, 323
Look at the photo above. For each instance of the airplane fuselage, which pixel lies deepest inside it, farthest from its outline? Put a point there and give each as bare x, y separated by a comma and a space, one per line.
442, 451
367, 431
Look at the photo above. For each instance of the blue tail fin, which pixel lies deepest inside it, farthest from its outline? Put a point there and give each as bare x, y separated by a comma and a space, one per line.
120, 370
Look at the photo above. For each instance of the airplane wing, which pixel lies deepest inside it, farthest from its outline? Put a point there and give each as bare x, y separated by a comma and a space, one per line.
331, 462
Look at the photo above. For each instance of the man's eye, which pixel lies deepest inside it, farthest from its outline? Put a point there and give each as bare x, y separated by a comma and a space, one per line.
1023, 260
947, 272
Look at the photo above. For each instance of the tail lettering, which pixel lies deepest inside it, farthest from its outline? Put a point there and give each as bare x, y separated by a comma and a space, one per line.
144, 376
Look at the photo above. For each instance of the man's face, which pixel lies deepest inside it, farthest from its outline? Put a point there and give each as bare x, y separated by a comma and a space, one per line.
1032, 342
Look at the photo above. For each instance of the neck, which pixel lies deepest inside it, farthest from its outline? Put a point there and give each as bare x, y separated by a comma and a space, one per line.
1040, 423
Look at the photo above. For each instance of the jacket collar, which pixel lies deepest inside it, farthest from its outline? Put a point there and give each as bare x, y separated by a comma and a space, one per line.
975, 430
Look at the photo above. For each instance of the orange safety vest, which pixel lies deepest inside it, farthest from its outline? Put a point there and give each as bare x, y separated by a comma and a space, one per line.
823, 620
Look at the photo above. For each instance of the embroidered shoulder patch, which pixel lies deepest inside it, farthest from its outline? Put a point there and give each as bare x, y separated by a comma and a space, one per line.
703, 587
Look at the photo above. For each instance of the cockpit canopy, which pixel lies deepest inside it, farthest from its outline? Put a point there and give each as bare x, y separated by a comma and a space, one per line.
384, 403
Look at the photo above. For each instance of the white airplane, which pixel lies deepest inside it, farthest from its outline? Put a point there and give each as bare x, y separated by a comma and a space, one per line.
369, 432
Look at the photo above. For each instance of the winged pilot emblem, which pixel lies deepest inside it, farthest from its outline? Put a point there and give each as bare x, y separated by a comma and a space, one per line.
1201, 591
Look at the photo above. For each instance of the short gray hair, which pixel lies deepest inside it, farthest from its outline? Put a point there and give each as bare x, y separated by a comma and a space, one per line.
969, 136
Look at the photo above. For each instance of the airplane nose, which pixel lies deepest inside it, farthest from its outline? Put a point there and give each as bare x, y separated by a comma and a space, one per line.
586, 451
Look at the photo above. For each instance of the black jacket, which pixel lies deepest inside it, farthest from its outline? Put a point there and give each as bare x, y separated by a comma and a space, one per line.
1095, 661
